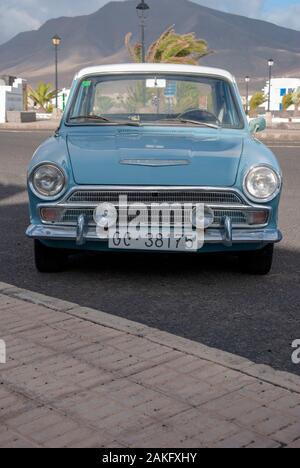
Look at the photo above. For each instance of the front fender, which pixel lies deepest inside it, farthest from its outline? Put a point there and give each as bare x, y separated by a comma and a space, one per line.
256, 153
53, 150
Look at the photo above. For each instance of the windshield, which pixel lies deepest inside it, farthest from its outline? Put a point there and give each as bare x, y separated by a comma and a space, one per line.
155, 100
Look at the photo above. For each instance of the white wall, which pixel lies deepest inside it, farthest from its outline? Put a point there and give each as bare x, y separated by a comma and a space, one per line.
61, 101
2, 104
11, 98
278, 86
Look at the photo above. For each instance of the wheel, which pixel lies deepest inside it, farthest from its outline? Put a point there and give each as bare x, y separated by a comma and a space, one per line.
257, 262
49, 260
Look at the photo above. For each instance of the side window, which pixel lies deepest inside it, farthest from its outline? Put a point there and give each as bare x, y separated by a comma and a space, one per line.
227, 109
82, 102
206, 98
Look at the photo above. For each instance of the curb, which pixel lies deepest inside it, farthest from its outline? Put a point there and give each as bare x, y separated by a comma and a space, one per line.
264, 373
29, 127
280, 136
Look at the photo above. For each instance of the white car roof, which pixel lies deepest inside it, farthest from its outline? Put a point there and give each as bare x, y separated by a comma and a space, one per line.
154, 68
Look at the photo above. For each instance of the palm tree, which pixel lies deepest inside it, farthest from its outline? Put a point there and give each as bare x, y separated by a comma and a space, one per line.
287, 102
103, 104
296, 100
188, 95
137, 96
42, 95
170, 47
257, 100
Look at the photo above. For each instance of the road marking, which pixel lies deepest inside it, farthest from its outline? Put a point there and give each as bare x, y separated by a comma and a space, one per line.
283, 146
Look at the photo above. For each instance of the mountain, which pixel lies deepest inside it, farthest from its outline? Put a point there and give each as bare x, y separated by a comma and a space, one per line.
241, 45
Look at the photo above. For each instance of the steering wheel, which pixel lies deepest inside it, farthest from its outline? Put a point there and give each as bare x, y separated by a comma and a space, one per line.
200, 115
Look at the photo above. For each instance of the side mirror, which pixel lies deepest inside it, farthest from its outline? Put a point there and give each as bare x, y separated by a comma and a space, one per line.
257, 125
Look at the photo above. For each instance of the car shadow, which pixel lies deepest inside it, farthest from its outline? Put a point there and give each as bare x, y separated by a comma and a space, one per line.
7, 191
201, 297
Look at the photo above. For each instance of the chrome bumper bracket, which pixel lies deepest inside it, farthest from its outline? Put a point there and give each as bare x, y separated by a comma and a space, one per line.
81, 230
227, 231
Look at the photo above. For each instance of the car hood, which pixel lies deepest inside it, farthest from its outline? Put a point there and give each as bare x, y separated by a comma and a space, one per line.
140, 157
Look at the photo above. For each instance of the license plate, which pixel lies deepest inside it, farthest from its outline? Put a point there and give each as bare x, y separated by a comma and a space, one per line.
153, 242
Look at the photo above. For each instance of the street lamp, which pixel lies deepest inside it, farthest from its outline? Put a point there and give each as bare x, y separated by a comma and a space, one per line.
142, 10
56, 41
271, 64
247, 80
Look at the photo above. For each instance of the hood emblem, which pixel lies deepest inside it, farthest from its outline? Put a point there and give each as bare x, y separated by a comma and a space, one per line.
155, 162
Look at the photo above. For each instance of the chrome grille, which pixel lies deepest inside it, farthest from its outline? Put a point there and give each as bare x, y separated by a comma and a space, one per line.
238, 217
71, 216
148, 197
223, 203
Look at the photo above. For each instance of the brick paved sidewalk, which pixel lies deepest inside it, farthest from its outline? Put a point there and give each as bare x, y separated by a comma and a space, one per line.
76, 377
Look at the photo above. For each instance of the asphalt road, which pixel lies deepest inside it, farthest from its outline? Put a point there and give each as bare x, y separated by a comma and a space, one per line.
205, 299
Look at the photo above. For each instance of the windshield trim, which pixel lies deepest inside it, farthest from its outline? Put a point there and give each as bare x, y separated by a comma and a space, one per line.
233, 91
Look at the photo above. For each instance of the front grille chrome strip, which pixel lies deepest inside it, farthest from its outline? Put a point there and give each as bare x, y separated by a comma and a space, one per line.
95, 197
224, 202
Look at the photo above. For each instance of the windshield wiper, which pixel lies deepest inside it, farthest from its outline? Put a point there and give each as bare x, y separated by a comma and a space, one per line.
194, 122
90, 117
105, 120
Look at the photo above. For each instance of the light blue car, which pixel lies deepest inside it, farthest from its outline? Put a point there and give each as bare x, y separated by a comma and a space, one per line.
154, 157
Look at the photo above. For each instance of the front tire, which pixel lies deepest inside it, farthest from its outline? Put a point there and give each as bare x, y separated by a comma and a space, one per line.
257, 262
49, 260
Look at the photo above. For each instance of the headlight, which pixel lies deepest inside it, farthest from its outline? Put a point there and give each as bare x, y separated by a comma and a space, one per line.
47, 181
262, 184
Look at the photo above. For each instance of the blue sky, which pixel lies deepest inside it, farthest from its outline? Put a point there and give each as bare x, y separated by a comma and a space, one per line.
23, 15
279, 3
287, 7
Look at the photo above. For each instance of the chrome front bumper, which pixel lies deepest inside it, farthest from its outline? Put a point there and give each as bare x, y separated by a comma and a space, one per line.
226, 235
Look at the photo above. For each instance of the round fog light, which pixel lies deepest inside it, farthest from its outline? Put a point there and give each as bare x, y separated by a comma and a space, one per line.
105, 215
203, 217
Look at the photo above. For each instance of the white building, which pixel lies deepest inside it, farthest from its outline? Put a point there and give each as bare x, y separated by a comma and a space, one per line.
279, 88
11, 96
63, 96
